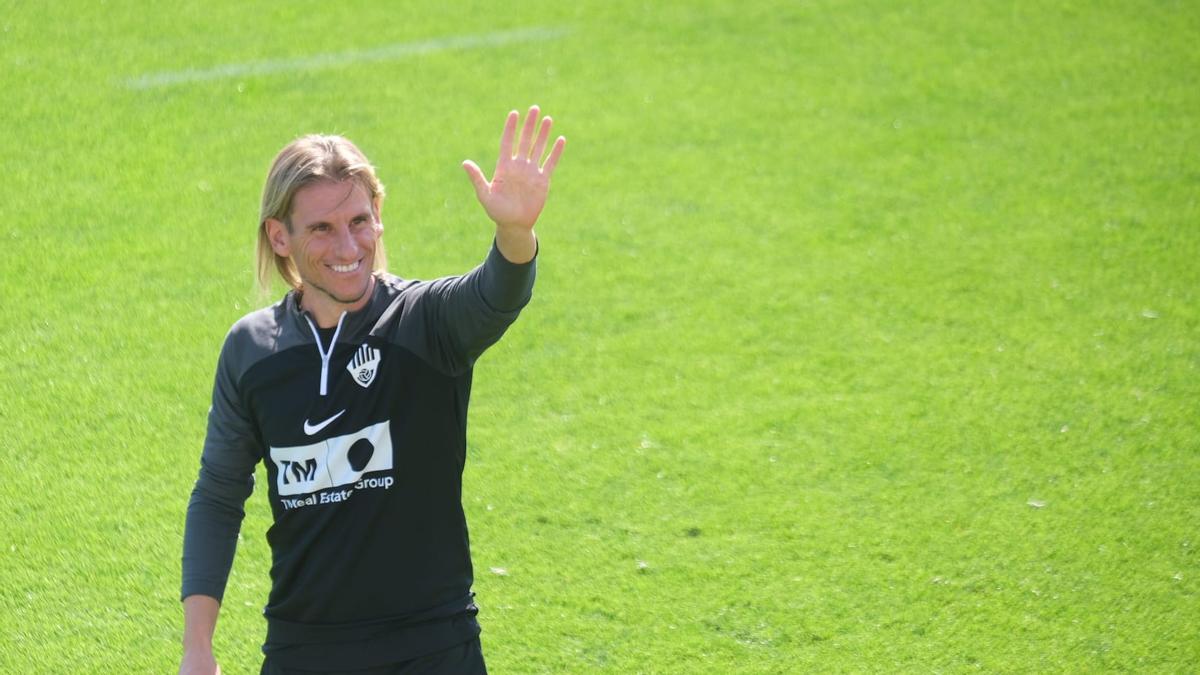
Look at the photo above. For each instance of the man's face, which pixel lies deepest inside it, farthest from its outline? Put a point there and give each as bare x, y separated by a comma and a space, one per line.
334, 229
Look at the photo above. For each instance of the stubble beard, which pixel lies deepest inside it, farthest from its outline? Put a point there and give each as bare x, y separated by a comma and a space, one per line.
342, 301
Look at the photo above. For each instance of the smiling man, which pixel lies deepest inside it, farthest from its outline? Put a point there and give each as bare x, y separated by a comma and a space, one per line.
352, 392
330, 239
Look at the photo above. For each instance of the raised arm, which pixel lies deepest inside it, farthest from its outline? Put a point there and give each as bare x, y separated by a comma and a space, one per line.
516, 194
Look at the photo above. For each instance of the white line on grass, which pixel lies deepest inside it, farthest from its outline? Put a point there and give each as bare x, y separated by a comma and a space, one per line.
320, 61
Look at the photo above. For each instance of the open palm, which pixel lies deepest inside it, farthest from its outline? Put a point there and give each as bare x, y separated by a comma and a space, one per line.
515, 195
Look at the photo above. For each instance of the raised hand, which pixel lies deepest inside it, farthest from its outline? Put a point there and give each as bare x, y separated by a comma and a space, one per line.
517, 192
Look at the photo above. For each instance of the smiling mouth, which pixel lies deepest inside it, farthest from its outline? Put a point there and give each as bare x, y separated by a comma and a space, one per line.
346, 268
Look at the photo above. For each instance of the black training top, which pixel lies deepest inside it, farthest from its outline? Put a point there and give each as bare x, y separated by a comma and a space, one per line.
363, 436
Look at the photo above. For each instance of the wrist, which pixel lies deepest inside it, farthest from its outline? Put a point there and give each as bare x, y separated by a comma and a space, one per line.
197, 639
515, 231
518, 245
197, 646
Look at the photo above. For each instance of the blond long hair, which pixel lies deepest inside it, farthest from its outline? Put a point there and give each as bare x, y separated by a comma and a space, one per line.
304, 161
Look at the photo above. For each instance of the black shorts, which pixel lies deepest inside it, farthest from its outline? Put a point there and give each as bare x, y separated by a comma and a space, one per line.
463, 659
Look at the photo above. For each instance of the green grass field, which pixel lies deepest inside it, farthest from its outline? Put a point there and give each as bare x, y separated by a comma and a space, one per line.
866, 335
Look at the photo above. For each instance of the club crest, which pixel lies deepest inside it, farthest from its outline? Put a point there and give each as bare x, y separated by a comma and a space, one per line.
364, 365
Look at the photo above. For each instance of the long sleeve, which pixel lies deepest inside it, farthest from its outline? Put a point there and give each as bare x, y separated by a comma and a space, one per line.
505, 286
463, 316
226, 479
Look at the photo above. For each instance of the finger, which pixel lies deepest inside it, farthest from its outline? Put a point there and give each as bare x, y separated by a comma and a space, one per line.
555, 153
506, 139
543, 135
477, 178
527, 132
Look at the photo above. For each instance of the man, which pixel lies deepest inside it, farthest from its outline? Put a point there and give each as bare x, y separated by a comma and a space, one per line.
353, 392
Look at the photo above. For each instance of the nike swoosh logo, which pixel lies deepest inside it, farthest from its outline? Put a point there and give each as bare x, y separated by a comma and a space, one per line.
311, 429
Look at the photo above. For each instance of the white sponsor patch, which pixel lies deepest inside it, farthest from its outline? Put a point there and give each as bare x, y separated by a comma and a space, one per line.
333, 462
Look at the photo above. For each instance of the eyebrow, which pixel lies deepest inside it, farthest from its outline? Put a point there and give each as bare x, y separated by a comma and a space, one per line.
314, 225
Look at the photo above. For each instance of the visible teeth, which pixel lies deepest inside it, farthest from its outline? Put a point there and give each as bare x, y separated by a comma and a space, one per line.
346, 268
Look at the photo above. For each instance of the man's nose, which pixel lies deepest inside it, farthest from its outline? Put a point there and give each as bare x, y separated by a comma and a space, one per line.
346, 246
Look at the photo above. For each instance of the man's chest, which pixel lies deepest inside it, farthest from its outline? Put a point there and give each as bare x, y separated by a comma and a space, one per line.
385, 416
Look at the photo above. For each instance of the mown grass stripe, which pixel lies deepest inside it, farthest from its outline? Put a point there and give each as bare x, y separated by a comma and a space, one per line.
321, 61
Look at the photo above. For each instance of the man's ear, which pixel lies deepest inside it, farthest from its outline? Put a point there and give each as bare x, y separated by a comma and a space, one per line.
378, 204
280, 238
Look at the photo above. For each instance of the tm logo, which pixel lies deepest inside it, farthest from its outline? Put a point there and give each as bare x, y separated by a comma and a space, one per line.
298, 472
334, 462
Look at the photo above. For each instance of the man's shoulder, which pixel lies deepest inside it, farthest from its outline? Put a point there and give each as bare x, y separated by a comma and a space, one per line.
258, 324
392, 286
258, 334
394, 294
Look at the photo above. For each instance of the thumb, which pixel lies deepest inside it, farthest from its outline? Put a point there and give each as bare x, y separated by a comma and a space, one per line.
477, 179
